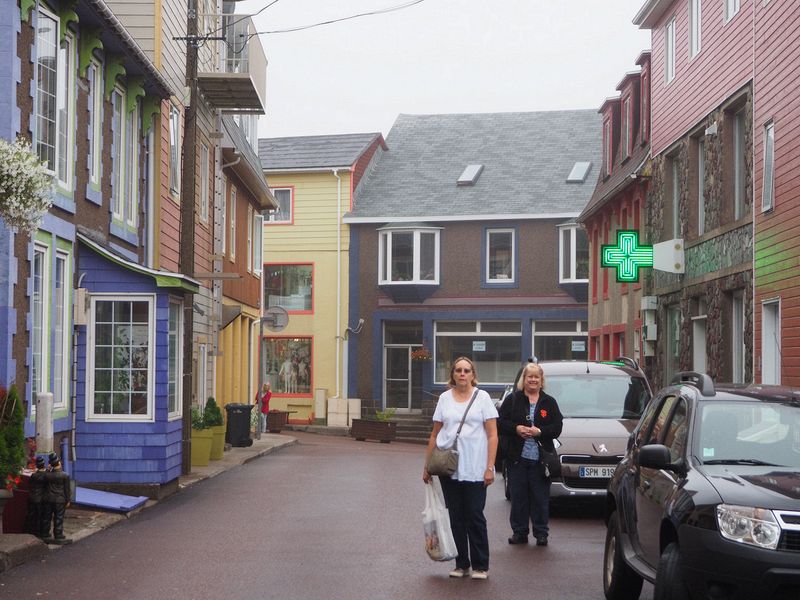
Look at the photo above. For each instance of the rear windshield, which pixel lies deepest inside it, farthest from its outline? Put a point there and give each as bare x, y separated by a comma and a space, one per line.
598, 396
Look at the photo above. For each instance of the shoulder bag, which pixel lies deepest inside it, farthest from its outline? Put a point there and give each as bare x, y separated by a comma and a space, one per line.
444, 461
549, 458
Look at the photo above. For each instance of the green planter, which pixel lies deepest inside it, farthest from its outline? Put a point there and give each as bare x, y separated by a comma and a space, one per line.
202, 439
218, 443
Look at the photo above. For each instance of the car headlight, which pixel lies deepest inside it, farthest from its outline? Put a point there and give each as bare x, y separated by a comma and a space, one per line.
747, 525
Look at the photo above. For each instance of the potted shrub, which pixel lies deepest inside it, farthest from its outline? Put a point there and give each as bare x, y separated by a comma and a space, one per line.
380, 427
12, 444
202, 438
212, 417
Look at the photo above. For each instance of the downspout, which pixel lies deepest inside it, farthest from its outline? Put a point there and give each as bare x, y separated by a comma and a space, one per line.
337, 338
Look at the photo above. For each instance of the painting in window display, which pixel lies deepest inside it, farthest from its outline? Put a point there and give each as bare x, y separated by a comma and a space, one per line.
287, 365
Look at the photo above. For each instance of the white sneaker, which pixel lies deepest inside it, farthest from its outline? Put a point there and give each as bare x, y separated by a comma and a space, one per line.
480, 574
458, 573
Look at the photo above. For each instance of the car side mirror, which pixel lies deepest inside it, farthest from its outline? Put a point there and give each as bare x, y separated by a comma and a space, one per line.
655, 456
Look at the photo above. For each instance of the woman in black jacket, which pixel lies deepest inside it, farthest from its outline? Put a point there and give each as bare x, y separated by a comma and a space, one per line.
529, 418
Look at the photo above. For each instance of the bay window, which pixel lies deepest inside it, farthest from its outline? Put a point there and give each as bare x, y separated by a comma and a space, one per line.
409, 256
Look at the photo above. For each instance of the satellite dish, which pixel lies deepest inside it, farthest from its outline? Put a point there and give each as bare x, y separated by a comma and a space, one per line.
276, 318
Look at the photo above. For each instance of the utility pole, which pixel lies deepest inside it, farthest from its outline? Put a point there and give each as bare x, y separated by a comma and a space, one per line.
187, 230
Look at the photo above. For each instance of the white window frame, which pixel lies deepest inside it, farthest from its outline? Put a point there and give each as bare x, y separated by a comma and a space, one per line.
737, 338
223, 218
699, 341
47, 51
695, 27
118, 153
626, 127
768, 188
272, 216
61, 351
771, 341
202, 371
669, 51
176, 334
513, 259
130, 206
258, 241
95, 75
385, 256
204, 187
731, 9
174, 149
66, 112
149, 416
249, 238
578, 330
232, 246
479, 331
570, 231
608, 151
40, 323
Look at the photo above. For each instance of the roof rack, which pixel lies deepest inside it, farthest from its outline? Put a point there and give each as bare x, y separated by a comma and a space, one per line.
628, 362
701, 381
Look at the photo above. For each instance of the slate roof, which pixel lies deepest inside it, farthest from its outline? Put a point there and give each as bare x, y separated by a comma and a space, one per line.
313, 151
527, 157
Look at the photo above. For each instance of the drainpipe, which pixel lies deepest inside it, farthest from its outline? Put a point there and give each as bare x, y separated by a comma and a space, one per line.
338, 274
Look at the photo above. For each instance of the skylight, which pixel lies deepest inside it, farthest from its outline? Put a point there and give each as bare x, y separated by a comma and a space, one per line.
579, 172
470, 175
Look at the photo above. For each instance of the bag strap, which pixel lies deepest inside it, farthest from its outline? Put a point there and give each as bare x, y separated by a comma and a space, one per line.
460, 425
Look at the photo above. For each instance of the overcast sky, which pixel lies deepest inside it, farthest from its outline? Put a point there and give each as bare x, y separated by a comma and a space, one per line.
439, 56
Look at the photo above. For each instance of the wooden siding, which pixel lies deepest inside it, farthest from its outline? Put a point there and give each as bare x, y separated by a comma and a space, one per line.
723, 66
777, 232
246, 290
169, 218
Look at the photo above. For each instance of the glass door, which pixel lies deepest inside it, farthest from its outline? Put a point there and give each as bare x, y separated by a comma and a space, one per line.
397, 381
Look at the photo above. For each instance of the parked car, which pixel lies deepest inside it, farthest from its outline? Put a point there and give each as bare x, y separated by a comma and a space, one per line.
601, 403
706, 501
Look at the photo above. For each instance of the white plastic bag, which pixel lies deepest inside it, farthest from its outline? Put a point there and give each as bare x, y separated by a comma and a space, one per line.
439, 542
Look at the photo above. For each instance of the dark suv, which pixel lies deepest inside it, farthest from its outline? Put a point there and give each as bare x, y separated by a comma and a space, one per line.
706, 502
601, 403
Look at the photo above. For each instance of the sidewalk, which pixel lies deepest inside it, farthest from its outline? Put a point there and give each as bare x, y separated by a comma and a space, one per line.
79, 523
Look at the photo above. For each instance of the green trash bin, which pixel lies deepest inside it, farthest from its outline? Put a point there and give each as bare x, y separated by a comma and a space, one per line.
237, 433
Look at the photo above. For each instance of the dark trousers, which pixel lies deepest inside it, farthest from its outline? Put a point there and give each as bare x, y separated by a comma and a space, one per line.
530, 497
53, 515
465, 502
33, 519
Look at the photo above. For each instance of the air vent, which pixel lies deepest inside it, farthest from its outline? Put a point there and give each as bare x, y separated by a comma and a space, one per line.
470, 175
579, 172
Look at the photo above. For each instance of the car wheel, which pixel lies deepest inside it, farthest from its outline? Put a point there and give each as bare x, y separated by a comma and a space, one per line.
669, 578
620, 582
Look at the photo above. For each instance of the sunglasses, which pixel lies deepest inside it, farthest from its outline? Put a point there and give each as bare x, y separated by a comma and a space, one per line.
462, 370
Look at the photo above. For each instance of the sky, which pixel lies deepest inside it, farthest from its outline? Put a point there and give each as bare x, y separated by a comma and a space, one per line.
438, 56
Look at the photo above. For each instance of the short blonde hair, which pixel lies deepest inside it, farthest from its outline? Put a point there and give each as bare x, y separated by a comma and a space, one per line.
529, 367
452, 380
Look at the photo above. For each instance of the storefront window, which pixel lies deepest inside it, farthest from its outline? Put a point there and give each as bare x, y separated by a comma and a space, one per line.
286, 364
289, 286
494, 347
560, 340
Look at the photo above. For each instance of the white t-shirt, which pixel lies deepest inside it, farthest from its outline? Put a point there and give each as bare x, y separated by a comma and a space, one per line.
473, 444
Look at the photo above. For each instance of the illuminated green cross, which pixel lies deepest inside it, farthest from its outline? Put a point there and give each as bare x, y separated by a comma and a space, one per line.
627, 256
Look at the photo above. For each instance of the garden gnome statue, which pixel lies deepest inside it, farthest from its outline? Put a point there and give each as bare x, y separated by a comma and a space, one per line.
57, 499
35, 521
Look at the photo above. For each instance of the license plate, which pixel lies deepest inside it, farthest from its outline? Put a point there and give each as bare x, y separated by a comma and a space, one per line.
596, 472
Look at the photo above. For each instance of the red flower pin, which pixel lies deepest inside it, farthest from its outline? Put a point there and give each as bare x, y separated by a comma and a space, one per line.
543, 412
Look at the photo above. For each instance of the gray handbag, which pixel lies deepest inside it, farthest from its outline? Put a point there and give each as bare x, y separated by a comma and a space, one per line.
444, 461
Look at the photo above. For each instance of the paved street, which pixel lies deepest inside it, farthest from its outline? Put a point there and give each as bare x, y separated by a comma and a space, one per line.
328, 518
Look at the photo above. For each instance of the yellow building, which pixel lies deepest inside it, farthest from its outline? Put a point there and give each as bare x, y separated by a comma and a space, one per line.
315, 181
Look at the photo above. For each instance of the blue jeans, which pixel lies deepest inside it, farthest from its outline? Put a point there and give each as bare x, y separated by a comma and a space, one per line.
465, 502
530, 497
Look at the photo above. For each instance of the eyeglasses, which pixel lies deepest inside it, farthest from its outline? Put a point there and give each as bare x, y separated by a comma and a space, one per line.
462, 370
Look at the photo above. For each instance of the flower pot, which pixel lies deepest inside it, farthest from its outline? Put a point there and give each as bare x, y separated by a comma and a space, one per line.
218, 442
276, 420
383, 431
201, 446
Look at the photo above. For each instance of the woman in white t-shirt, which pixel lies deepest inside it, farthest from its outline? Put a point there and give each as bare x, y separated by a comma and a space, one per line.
465, 490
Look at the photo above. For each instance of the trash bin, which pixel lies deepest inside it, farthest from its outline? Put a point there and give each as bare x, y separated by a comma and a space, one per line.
237, 433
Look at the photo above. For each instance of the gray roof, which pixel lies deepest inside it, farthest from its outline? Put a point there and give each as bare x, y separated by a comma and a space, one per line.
527, 158
313, 151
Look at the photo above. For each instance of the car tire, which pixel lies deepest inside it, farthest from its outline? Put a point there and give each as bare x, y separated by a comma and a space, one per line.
670, 584
620, 582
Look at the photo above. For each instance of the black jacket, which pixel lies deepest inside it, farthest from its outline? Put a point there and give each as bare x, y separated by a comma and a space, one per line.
515, 410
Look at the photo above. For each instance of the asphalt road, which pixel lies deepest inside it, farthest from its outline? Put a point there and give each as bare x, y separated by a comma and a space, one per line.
328, 518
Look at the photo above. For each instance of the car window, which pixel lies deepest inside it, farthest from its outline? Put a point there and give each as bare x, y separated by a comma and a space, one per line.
675, 436
750, 431
599, 396
644, 425
661, 419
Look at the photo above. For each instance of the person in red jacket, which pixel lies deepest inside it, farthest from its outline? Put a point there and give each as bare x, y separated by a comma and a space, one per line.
263, 399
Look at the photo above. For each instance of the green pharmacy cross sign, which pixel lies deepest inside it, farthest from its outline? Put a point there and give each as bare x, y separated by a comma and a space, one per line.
627, 256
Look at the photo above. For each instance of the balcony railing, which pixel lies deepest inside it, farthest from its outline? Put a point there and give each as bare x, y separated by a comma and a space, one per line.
232, 66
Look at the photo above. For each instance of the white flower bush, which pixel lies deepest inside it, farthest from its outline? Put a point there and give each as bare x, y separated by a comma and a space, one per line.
25, 185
